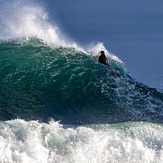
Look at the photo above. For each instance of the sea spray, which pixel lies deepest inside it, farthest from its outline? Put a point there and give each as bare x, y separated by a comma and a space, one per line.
21, 21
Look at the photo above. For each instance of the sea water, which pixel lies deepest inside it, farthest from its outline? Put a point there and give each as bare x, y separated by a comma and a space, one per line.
58, 104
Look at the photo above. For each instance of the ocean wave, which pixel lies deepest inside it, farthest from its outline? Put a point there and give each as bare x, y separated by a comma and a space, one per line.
40, 82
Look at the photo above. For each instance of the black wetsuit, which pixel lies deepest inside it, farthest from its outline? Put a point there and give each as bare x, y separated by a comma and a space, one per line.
102, 59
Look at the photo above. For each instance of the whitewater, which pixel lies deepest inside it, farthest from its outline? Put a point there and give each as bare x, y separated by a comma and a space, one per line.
58, 104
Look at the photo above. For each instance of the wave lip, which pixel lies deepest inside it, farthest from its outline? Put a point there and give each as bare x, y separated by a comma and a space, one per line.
22, 21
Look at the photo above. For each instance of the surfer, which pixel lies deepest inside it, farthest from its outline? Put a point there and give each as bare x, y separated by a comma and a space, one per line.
102, 58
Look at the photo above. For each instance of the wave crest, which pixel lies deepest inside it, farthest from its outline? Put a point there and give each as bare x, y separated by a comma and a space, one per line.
22, 21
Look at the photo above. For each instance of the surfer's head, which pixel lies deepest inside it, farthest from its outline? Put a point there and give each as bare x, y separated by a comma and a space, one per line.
102, 52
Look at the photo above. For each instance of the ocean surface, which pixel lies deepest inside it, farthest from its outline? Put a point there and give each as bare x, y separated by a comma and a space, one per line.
58, 104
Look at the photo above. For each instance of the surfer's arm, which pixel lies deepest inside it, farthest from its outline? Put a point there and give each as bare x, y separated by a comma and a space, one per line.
106, 62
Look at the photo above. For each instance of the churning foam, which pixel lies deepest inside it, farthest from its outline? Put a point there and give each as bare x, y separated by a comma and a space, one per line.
35, 142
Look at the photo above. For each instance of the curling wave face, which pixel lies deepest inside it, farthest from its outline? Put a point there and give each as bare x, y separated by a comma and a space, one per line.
40, 82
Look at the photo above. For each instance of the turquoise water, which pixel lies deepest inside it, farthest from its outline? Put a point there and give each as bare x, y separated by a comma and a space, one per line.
39, 83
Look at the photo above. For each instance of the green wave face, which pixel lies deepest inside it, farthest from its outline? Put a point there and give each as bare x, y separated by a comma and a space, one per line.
39, 82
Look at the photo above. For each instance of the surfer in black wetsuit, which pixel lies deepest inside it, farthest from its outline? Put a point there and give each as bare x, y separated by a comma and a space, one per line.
102, 58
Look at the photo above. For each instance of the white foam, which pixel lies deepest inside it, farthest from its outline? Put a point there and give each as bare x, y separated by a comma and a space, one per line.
24, 142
